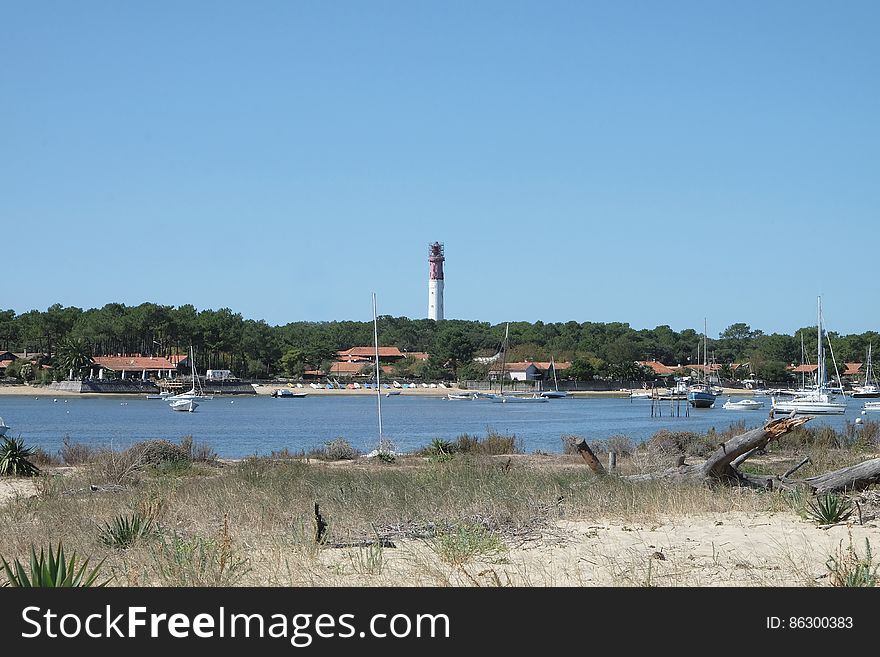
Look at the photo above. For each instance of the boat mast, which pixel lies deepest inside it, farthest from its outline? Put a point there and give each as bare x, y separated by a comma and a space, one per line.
820, 372
504, 356
378, 389
556, 381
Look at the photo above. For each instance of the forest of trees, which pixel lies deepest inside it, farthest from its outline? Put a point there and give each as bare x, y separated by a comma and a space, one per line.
67, 337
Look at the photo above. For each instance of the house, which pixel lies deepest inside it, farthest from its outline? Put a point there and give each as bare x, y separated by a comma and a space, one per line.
528, 370
6, 358
135, 366
368, 354
657, 367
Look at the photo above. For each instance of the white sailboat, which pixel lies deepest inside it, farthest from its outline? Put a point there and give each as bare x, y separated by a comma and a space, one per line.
185, 405
821, 400
384, 446
196, 391
501, 398
869, 388
3, 427
556, 393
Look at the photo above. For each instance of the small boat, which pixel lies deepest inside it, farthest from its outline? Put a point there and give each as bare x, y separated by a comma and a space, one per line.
869, 406
518, 399
461, 396
185, 405
743, 405
556, 393
287, 392
392, 392
640, 394
3, 427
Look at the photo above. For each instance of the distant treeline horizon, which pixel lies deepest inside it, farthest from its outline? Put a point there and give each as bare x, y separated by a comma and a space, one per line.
252, 348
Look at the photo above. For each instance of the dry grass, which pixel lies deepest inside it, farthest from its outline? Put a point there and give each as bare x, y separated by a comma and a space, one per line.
470, 520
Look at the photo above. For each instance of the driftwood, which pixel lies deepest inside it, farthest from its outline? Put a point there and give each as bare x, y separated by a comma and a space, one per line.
722, 465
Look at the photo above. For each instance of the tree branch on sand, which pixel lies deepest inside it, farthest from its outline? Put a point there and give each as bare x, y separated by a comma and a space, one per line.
722, 465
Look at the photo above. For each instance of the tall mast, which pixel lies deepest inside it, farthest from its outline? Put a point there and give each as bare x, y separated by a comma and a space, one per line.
378, 389
504, 356
820, 372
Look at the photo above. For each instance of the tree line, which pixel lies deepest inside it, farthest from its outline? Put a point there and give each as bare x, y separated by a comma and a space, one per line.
66, 338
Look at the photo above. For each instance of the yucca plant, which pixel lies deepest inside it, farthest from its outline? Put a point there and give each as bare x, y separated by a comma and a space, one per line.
829, 508
56, 571
123, 531
15, 458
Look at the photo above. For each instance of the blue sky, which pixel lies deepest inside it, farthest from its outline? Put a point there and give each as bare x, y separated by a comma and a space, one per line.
642, 162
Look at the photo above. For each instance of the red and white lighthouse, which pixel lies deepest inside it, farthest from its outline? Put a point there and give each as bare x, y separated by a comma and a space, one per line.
435, 281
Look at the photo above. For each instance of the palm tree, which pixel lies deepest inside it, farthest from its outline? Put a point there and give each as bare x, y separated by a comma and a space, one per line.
73, 355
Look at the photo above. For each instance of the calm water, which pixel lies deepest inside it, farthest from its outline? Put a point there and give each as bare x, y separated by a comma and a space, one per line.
257, 425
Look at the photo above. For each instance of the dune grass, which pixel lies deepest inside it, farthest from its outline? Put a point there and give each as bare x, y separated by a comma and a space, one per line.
453, 521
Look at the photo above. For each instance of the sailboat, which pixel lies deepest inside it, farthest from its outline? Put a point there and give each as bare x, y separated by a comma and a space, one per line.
3, 427
701, 395
869, 389
556, 393
821, 400
383, 446
501, 398
196, 391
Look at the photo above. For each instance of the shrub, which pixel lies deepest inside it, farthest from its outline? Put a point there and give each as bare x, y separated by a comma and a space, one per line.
56, 571
339, 449
848, 569
75, 453
158, 452
15, 458
466, 542
493, 444
198, 452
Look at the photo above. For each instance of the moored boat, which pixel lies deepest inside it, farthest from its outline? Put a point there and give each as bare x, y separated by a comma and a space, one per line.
743, 405
185, 405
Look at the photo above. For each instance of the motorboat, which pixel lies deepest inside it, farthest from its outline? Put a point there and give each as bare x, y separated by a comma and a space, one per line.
185, 405
743, 405
461, 396
640, 394
872, 406
287, 392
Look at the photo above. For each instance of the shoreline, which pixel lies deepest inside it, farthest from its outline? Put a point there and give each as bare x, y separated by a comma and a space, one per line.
23, 390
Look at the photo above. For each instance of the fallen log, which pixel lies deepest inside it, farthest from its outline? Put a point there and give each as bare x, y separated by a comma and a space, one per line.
721, 464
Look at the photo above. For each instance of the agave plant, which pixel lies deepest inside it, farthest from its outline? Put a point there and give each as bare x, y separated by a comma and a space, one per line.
53, 572
14, 458
123, 531
829, 509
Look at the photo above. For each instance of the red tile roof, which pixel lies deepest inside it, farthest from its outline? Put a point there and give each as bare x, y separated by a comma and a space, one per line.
852, 368
345, 368
134, 363
370, 352
807, 369
658, 367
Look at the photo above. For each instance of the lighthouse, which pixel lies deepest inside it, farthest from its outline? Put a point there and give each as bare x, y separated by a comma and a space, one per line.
435, 281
